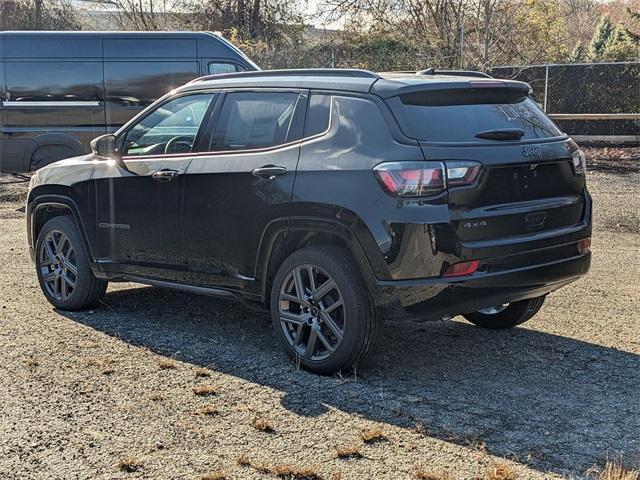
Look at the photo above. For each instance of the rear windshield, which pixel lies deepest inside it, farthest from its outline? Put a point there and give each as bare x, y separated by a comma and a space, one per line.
461, 119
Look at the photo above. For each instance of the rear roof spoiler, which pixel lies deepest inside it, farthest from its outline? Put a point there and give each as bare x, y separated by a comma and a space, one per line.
456, 73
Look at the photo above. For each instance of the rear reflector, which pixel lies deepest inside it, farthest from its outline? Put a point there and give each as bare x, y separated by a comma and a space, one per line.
584, 246
462, 268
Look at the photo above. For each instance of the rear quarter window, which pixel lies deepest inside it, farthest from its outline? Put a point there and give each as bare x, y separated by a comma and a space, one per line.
460, 122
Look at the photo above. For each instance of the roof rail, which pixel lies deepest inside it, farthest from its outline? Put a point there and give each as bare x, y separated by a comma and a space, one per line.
457, 73
333, 72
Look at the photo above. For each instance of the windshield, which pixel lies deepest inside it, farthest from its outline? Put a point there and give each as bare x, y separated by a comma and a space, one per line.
461, 120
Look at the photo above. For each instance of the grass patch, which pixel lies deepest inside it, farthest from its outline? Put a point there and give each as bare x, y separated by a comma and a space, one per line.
205, 390
348, 451
372, 435
244, 460
208, 410
284, 471
166, 364
500, 471
614, 470
31, 362
263, 424
129, 464
202, 373
107, 371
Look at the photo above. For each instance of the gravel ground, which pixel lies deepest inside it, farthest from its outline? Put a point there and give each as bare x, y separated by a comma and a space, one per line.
109, 393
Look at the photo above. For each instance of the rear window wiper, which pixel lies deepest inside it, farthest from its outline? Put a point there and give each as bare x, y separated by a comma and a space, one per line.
501, 134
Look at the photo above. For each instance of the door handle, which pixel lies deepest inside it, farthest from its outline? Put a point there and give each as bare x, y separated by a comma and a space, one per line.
269, 172
164, 175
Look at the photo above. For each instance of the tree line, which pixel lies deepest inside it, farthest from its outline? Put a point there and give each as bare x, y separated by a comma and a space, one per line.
377, 34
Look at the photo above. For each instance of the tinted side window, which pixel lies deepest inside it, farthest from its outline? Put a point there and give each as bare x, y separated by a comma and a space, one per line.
251, 120
54, 81
216, 68
170, 129
318, 114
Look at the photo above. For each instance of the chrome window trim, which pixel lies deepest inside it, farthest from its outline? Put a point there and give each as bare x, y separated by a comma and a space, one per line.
52, 103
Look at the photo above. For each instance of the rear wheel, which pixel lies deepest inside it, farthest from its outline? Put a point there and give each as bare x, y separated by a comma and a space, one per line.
507, 315
63, 267
321, 311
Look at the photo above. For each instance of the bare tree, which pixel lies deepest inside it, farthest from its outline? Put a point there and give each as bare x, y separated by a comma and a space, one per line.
37, 15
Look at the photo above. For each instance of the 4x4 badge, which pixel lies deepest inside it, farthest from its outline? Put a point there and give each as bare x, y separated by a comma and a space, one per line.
532, 152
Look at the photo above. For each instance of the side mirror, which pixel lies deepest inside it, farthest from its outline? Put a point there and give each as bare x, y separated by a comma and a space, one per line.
105, 146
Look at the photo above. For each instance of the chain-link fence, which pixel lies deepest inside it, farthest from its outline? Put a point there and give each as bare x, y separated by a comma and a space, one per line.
586, 99
594, 99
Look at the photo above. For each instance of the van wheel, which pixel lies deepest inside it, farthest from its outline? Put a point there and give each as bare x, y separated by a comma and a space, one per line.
506, 316
48, 154
63, 267
321, 311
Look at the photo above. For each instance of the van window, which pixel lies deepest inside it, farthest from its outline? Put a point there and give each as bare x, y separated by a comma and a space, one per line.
130, 86
170, 129
251, 120
318, 114
54, 81
216, 68
458, 118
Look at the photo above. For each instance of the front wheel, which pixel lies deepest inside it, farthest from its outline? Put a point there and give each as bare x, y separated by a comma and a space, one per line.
63, 267
507, 315
320, 309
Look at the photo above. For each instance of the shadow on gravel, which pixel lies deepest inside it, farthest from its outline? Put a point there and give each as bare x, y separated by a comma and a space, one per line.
551, 402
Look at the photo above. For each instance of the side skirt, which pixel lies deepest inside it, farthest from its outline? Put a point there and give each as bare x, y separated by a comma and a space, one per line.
214, 292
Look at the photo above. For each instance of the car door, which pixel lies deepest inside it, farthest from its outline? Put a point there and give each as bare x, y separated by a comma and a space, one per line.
242, 184
139, 227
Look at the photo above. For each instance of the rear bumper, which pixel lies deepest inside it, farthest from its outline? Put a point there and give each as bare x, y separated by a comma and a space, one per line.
438, 297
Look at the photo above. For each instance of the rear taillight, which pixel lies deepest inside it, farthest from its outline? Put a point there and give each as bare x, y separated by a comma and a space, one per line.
579, 162
462, 268
411, 179
421, 179
461, 174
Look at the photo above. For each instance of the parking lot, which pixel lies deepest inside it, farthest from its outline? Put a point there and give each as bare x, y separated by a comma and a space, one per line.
162, 384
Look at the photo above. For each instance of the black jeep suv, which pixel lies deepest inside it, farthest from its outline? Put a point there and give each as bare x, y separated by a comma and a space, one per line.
324, 194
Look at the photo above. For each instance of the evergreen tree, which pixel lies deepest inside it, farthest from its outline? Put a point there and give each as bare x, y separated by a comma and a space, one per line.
621, 46
600, 37
578, 54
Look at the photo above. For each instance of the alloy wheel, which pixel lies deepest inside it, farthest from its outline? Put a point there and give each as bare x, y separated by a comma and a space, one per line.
57, 264
311, 312
494, 310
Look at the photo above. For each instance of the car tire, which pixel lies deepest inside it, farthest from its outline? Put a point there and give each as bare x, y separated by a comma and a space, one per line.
63, 267
514, 314
332, 327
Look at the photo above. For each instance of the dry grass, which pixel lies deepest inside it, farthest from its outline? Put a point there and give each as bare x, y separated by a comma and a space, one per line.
263, 424
348, 451
422, 473
500, 471
372, 435
215, 475
202, 373
284, 471
166, 364
107, 371
209, 410
290, 472
31, 362
129, 464
205, 390
156, 397
614, 470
